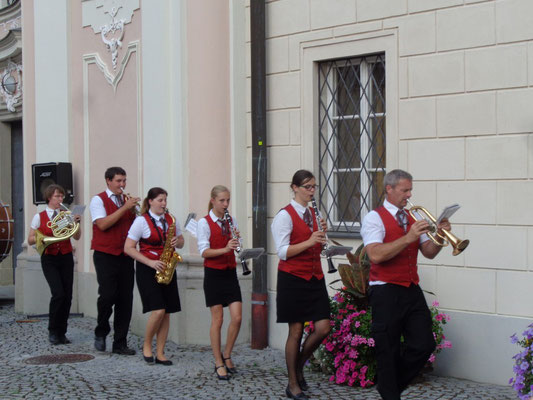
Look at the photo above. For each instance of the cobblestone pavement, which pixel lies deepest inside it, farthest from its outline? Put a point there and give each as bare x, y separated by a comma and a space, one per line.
109, 376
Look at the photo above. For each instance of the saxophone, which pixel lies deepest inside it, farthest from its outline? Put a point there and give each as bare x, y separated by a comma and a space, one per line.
169, 256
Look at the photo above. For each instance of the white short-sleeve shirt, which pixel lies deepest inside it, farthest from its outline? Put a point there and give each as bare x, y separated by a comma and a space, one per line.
36, 220
140, 229
282, 228
203, 233
97, 208
373, 230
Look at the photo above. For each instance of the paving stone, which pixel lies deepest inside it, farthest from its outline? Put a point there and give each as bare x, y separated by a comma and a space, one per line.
109, 376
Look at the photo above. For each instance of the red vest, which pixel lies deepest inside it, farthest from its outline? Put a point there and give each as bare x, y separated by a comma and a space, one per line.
218, 241
402, 269
306, 264
63, 247
111, 241
153, 243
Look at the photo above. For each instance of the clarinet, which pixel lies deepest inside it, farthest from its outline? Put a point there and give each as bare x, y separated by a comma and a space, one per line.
245, 269
325, 246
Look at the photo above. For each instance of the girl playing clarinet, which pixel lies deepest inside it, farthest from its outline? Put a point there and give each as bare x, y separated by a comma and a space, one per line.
301, 290
221, 287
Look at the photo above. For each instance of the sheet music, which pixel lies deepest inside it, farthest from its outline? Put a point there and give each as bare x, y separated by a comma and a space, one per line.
78, 209
448, 212
192, 227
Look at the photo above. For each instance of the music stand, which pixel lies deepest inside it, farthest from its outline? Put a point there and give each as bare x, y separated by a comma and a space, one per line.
337, 250
247, 254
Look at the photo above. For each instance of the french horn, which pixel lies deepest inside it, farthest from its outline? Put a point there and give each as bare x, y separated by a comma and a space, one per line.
63, 227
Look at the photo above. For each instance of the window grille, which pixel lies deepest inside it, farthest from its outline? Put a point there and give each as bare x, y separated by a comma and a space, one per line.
352, 119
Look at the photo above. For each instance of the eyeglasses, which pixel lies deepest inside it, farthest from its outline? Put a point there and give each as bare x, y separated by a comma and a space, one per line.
309, 187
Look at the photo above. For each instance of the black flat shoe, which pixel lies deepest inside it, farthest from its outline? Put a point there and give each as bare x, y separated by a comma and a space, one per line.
64, 340
99, 343
303, 384
163, 362
299, 396
124, 350
149, 360
221, 377
231, 370
54, 339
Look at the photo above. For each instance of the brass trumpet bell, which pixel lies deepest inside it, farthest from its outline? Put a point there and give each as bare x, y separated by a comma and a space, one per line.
457, 244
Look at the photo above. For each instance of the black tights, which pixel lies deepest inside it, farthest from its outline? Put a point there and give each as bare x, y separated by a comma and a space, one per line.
296, 356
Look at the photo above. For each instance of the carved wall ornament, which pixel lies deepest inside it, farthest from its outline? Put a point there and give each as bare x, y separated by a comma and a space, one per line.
11, 85
109, 19
14, 23
113, 43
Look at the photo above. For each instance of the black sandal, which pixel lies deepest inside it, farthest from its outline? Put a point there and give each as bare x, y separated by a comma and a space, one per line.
231, 370
221, 377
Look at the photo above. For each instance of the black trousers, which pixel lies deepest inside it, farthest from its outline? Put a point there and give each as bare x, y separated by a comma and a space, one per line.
397, 311
115, 276
59, 273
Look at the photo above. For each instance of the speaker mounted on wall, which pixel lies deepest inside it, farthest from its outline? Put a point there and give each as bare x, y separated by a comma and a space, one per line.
46, 174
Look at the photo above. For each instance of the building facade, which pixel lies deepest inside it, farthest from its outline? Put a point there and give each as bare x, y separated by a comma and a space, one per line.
440, 88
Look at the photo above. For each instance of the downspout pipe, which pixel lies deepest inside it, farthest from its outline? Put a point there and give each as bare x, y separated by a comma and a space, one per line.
259, 174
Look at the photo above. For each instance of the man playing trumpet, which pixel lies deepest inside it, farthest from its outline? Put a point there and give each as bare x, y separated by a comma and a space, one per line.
392, 239
112, 216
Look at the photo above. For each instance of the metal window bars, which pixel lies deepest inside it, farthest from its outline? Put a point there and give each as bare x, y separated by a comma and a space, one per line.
352, 122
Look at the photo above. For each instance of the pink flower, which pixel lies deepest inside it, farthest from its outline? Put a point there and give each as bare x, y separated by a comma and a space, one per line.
431, 358
435, 304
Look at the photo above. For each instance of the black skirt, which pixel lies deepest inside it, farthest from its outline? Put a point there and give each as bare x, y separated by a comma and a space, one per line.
221, 286
298, 300
156, 296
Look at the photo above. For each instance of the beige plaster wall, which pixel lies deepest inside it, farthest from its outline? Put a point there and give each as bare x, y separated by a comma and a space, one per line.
460, 122
208, 95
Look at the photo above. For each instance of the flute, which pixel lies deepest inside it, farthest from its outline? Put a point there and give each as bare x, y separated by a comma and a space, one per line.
325, 246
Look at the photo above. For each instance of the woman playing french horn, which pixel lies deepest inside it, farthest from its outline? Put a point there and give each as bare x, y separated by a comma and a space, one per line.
57, 263
149, 230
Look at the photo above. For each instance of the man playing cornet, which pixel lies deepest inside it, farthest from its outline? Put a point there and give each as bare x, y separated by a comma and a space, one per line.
392, 239
112, 214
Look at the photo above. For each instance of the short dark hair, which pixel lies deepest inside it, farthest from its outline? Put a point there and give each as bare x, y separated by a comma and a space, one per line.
51, 189
393, 177
112, 171
301, 176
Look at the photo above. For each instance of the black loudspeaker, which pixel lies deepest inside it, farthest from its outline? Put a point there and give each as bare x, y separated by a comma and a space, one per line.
44, 175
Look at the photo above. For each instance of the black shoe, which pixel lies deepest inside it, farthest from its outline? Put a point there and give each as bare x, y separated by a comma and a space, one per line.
64, 340
124, 351
149, 360
299, 396
99, 343
54, 339
303, 384
231, 370
221, 377
163, 362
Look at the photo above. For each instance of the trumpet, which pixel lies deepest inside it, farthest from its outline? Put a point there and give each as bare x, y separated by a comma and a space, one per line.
245, 269
325, 246
447, 237
127, 196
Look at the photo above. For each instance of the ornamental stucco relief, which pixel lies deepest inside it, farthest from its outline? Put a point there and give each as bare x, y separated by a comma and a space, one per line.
109, 18
11, 85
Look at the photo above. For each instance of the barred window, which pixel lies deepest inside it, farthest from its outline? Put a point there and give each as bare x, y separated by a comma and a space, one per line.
352, 120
